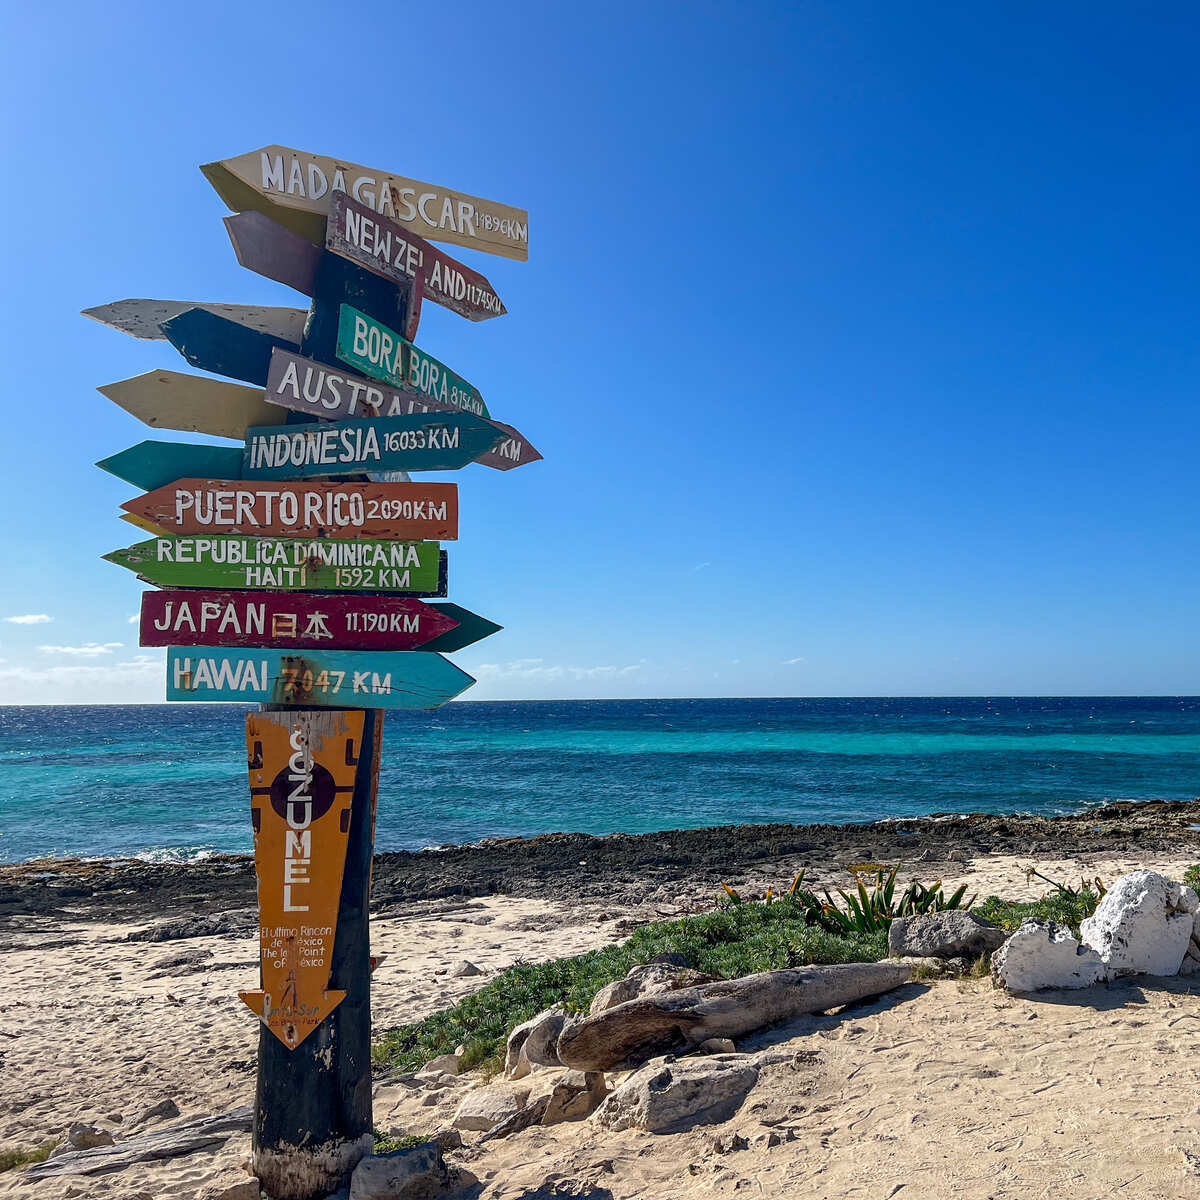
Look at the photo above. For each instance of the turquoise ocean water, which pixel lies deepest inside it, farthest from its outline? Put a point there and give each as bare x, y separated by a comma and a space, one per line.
169, 781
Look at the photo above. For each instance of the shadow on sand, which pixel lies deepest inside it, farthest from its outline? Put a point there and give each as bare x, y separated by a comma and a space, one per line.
1105, 997
800, 1026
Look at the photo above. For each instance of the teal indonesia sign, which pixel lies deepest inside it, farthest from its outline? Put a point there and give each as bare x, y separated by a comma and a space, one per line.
339, 678
422, 442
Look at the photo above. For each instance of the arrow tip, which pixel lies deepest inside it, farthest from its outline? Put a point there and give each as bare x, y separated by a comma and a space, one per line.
253, 1001
290, 1034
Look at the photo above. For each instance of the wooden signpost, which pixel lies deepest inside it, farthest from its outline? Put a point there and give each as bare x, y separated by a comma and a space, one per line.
296, 188
288, 564
289, 621
290, 582
337, 678
407, 511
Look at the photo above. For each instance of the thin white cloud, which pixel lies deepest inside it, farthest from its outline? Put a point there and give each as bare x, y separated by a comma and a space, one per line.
700, 567
791, 662
537, 668
133, 620
135, 681
87, 650
30, 619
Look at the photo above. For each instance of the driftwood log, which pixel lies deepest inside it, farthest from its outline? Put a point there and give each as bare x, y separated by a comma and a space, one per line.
732, 1008
170, 1141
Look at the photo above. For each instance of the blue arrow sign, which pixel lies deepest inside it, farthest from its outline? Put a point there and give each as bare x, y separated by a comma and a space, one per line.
333, 678
223, 347
416, 442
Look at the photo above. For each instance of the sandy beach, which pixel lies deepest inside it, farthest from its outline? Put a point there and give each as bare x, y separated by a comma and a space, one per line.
939, 1089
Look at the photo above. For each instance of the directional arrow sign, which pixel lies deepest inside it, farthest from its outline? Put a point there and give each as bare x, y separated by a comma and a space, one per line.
268, 248
381, 353
471, 628
337, 510
338, 678
191, 403
295, 189
144, 318
288, 564
302, 385
296, 621
380, 244
423, 442
302, 769
224, 347
152, 465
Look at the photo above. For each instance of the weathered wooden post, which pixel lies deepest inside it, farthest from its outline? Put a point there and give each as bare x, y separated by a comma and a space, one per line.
312, 1112
292, 566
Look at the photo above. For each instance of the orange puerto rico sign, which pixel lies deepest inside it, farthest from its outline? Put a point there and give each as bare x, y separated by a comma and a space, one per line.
302, 768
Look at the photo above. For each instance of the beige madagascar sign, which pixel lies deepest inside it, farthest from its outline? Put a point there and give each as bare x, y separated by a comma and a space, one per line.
302, 768
295, 189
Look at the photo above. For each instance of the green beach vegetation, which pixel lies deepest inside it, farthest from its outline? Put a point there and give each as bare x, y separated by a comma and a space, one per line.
12, 1157
735, 939
740, 937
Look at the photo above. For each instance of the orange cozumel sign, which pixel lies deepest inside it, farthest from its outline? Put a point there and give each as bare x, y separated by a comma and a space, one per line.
302, 770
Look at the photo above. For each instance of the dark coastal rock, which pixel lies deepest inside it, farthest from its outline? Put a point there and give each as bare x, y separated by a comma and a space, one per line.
190, 927
577, 868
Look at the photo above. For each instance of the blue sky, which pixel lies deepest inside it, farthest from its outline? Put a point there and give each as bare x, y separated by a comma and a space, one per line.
860, 339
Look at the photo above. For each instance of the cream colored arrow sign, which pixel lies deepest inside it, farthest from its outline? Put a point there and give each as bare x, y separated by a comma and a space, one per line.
192, 403
294, 188
141, 318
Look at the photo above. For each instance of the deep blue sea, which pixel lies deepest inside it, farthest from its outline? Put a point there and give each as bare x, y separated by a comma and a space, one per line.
169, 781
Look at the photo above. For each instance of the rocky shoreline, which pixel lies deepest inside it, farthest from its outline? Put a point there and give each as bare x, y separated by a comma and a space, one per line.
620, 869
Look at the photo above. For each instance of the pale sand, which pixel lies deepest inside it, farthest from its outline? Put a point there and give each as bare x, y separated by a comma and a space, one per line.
950, 1089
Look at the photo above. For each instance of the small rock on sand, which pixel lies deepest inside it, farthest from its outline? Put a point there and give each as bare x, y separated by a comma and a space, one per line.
948, 934
669, 1097
88, 1137
160, 1111
485, 1107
